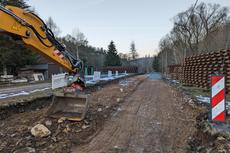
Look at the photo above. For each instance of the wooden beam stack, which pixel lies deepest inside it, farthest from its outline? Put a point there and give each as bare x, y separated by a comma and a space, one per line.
175, 72
196, 70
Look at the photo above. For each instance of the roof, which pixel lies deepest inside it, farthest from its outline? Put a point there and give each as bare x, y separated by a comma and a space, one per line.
35, 67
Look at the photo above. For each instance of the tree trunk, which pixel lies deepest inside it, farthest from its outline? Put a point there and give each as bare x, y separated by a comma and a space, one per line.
4, 70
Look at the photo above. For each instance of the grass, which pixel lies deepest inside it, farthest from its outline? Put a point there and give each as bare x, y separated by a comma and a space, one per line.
195, 91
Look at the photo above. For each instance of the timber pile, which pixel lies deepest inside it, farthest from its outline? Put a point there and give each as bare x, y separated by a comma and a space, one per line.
175, 72
198, 69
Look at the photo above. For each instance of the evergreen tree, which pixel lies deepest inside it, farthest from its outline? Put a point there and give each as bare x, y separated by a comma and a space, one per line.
156, 64
12, 53
112, 58
133, 50
18, 3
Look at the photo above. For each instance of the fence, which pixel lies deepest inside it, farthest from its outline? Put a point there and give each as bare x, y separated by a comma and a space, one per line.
196, 70
59, 80
121, 69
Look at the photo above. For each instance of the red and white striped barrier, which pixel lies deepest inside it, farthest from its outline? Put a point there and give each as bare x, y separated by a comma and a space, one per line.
218, 98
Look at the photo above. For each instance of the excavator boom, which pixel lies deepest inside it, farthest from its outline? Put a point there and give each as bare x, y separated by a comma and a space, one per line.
35, 34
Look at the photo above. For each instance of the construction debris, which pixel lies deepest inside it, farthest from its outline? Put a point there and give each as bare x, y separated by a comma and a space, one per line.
18, 134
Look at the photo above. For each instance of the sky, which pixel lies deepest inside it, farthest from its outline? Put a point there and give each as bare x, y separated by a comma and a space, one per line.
143, 21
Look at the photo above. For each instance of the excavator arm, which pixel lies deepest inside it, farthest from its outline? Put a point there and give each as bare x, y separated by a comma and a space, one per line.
28, 27
35, 34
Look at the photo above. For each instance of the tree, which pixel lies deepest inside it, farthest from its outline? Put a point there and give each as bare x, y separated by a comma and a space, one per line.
112, 58
79, 40
196, 23
91, 56
14, 54
133, 51
155, 64
195, 31
18, 3
79, 36
53, 26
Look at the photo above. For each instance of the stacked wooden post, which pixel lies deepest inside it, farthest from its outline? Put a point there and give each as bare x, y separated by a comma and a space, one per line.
198, 69
175, 71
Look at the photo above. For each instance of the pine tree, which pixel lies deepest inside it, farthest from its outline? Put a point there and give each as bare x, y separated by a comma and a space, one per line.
112, 58
133, 51
155, 63
18, 3
12, 53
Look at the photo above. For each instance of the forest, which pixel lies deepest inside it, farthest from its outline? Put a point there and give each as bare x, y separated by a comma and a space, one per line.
14, 55
200, 29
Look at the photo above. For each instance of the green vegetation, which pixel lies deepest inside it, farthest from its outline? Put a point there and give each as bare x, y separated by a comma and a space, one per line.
112, 58
18, 3
155, 64
13, 55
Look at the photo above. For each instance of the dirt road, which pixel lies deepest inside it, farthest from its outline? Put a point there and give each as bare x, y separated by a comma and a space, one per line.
152, 119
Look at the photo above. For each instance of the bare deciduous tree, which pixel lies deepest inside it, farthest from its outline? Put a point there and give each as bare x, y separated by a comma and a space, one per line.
193, 27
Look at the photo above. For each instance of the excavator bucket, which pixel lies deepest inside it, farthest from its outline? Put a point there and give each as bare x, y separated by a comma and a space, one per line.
70, 107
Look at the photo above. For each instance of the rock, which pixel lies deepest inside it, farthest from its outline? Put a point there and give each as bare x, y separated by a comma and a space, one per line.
99, 109
48, 123
208, 150
25, 150
106, 107
54, 139
28, 143
116, 147
220, 138
78, 130
118, 100
121, 89
158, 123
222, 150
86, 122
40, 131
61, 120
84, 126
199, 148
67, 129
3, 145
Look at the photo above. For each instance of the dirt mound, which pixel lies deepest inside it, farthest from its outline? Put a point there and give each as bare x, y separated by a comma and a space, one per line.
210, 137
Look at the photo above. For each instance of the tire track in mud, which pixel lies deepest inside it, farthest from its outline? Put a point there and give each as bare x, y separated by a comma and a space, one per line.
146, 123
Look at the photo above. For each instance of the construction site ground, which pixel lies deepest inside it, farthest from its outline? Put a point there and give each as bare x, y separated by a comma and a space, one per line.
135, 115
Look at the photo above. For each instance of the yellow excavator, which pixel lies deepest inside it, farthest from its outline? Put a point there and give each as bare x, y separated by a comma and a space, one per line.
26, 26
